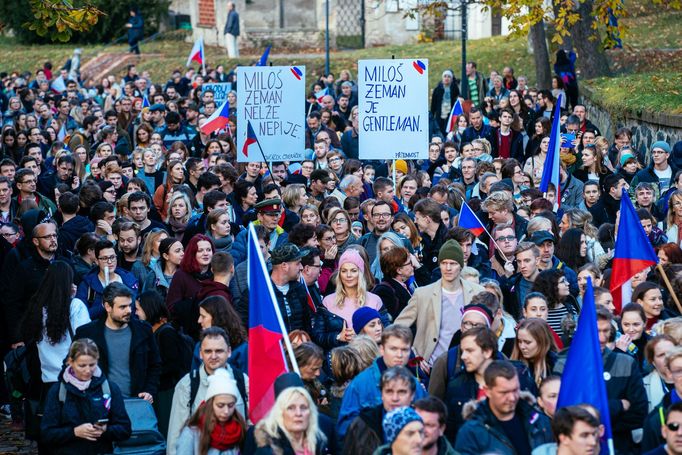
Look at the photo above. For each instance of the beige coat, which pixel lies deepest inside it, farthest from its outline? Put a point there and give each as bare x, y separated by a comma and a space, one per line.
424, 310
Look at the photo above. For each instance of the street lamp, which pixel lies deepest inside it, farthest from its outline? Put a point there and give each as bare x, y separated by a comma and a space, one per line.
326, 37
465, 82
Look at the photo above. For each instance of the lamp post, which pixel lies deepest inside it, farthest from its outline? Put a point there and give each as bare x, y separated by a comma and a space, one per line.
465, 82
326, 37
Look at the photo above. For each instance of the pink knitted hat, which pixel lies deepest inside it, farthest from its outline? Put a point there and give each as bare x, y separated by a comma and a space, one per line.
353, 257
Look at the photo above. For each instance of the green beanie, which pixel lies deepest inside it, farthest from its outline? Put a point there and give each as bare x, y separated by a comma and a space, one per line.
451, 250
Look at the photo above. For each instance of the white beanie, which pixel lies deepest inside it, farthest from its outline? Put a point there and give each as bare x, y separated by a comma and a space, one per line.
220, 383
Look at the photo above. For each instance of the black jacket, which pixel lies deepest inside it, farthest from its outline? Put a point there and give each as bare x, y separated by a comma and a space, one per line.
366, 433
59, 419
71, 231
295, 311
431, 247
604, 211
437, 97
393, 295
145, 362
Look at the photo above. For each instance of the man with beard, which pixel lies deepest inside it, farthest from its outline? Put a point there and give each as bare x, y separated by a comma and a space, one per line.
128, 354
382, 216
128, 239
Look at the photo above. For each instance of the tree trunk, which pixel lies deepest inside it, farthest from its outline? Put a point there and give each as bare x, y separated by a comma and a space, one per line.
591, 60
543, 74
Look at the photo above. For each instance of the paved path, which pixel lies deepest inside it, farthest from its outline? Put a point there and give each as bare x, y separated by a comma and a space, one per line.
12, 442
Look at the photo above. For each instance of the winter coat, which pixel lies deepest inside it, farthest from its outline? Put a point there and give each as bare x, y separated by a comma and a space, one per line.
394, 296
424, 310
482, 432
364, 392
71, 231
189, 439
90, 290
365, 433
648, 175
280, 445
571, 192
145, 362
444, 448
437, 97
60, 418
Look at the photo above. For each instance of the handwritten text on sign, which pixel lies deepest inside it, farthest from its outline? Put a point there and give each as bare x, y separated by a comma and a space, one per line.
271, 99
220, 91
393, 109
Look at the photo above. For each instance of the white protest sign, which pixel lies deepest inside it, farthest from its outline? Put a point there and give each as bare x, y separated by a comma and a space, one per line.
220, 91
271, 99
393, 109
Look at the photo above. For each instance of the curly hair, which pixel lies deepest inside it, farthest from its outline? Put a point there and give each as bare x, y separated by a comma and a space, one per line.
547, 283
224, 316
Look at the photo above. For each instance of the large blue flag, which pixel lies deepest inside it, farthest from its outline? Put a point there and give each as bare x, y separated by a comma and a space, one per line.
550, 171
582, 380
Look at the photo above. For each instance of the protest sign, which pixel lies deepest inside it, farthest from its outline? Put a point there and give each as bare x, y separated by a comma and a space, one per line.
393, 109
220, 91
271, 99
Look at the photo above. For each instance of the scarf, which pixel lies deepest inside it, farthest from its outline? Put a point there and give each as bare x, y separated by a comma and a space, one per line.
224, 435
178, 227
70, 378
222, 244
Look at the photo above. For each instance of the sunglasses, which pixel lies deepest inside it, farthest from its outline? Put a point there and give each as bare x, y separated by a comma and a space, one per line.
673, 426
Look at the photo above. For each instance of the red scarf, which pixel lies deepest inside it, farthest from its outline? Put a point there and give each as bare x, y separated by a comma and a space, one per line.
225, 435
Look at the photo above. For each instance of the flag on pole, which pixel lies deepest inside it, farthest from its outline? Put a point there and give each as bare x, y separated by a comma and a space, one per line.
264, 58
454, 115
582, 380
550, 171
218, 120
320, 95
469, 220
250, 139
58, 85
633, 252
197, 53
266, 333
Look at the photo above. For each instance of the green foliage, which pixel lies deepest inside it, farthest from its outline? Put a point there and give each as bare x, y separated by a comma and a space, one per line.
83, 21
654, 92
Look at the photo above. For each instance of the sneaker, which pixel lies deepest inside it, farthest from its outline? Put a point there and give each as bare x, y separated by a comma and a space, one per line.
5, 412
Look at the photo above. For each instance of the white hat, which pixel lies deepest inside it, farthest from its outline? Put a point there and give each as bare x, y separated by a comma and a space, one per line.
220, 383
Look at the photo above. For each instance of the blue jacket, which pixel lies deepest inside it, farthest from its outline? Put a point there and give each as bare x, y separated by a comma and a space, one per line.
90, 290
364, 392
240, 244
482, 432
59, 419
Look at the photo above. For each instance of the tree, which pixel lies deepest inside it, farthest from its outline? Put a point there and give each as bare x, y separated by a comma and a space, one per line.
76, 21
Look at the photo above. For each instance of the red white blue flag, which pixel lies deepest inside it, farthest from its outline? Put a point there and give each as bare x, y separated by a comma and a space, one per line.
266, 334
454, 115
469, 220
218, 120
250, 139
197, 53
633, 252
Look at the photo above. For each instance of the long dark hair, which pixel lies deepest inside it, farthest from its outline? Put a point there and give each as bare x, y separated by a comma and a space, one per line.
54, 296
225, 317
568, 249
547, 283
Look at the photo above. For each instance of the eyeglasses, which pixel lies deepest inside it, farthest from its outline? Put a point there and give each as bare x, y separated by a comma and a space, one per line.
658, 152
407, 264
340, 220
107, 258
48, 236
8, 234
381, 215
467, 325
673, 426
563, 281
507, 238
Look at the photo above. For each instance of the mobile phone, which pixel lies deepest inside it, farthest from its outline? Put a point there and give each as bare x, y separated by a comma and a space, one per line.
102, 422
567, 140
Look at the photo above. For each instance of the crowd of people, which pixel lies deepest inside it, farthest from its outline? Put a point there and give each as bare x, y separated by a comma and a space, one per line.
123, 241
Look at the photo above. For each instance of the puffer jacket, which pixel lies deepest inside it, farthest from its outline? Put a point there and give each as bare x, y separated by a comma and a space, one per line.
482, 432
60, 418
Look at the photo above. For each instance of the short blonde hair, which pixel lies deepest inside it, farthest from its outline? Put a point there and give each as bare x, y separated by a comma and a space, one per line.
673, 355
499, 200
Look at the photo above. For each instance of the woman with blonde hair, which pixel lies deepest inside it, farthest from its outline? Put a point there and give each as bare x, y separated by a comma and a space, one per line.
334, 320
535, 347
150, 250
295, 197
291, 426
674, 218
162, 194
179, 212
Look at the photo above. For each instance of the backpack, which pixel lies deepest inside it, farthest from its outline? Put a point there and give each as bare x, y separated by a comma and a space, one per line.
17, 374
145, 438
194, 380
185, 346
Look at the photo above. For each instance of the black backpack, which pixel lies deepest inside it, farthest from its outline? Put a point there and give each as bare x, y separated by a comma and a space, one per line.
185, 345
17, 374
194, 380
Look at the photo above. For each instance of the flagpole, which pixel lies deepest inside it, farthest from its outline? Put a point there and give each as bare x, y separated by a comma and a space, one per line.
659, 267
262, 153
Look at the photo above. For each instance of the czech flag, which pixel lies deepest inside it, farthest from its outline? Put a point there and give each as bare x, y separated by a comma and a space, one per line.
320, 95
550, 172
633, 253
469, 220
218, 120
582, 380
266, 334
197, 54
311, 304
250, 139
454, 115
264, 58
